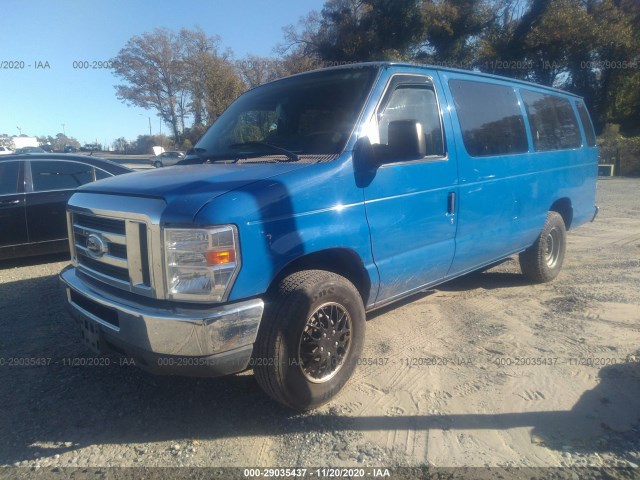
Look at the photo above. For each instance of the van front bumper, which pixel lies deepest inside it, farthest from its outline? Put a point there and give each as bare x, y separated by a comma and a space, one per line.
162, 337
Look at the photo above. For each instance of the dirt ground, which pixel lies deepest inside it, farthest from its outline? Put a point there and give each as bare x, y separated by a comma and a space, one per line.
484, 371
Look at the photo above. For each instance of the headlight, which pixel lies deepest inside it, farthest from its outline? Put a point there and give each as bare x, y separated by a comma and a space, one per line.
200, 264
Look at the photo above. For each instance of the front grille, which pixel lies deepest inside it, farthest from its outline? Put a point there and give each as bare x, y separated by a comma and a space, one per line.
103, 224
113, 250
119, 273
116, 250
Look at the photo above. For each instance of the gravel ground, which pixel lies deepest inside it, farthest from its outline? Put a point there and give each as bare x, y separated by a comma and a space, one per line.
64, 408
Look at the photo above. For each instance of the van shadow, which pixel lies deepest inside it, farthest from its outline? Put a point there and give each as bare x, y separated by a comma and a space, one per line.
504, 275
488, 279
72, 397
34, 260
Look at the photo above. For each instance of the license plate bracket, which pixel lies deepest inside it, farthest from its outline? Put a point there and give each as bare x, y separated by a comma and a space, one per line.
90, 333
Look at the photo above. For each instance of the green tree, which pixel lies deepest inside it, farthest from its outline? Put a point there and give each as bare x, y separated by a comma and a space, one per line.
578, 45
452, 29
617, 63
194, 133
356, 31
120, 145
58, 142
144, 144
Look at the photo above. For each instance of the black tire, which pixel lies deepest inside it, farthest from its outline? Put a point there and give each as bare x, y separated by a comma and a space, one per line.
157, 164
542, 261
304, 305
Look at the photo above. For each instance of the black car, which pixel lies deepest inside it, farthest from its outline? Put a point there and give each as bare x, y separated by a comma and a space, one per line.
24, 150
34, 190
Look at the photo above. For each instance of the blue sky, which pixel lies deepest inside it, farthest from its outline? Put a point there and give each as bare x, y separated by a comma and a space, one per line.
39, 100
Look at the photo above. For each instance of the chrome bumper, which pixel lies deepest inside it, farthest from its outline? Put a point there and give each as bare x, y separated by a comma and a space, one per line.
162, 338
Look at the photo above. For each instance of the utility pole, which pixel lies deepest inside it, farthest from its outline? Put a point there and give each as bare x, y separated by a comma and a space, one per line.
150, 134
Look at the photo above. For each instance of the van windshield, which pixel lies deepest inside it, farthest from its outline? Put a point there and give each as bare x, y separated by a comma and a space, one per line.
302, 118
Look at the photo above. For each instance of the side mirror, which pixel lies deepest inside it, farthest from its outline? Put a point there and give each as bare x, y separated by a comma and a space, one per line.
406, 140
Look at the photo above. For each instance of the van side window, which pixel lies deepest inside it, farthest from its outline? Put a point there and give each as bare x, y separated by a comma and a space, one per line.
490, 118
553, 124
416, 103
586, 123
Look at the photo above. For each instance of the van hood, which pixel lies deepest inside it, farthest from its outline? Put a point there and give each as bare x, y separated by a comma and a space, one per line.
187, 188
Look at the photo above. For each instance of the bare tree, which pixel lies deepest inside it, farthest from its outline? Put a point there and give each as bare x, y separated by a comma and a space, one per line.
198, 48
256, 70
222, 85
152, 65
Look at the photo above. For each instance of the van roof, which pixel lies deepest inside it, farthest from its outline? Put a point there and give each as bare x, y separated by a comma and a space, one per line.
490, 76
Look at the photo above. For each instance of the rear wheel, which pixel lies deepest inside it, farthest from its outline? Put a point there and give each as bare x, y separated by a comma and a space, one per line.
542, 261
310, 339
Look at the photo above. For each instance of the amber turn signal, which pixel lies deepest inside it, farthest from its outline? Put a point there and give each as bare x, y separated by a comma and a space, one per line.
219, 257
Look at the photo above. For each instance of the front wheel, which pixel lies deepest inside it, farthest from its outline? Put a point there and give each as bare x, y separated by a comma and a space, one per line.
310, 339
542, 261
157, 164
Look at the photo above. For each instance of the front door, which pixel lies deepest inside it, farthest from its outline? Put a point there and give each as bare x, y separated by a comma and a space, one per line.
54, 181
410, 204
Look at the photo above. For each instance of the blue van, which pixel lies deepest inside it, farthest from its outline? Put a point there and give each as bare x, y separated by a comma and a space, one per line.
314, 199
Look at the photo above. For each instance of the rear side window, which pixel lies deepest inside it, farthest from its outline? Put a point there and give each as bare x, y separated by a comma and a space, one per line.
553, 124
490, 118
586, 123
48, 175
9, 177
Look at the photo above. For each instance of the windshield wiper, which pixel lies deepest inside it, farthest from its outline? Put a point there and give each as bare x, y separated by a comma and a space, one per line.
288, 153
200, 156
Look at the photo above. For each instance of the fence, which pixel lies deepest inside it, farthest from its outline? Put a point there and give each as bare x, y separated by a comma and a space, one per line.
623, 154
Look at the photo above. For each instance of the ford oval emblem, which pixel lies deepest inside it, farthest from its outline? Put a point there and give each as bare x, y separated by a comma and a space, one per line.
96, 246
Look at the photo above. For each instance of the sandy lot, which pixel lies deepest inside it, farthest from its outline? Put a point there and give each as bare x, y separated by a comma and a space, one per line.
484, 371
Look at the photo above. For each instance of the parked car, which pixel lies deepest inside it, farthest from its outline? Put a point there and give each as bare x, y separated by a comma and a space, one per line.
320, 197
90, 147
23, 150
166, 159
34, 190
5, 150
70, 149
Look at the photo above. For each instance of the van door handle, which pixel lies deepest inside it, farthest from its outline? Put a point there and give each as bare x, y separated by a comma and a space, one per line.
451, 203
10, 202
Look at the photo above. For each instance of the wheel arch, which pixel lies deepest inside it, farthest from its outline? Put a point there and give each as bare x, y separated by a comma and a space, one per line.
564, 207
341, 261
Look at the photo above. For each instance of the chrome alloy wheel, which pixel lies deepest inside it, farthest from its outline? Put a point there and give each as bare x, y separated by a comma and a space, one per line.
324, 343
552, 252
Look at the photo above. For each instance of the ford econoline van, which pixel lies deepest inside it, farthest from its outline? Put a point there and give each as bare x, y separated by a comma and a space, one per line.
319, 197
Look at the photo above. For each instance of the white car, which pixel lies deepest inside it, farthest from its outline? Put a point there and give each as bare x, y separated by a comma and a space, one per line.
5, 150
166, 159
